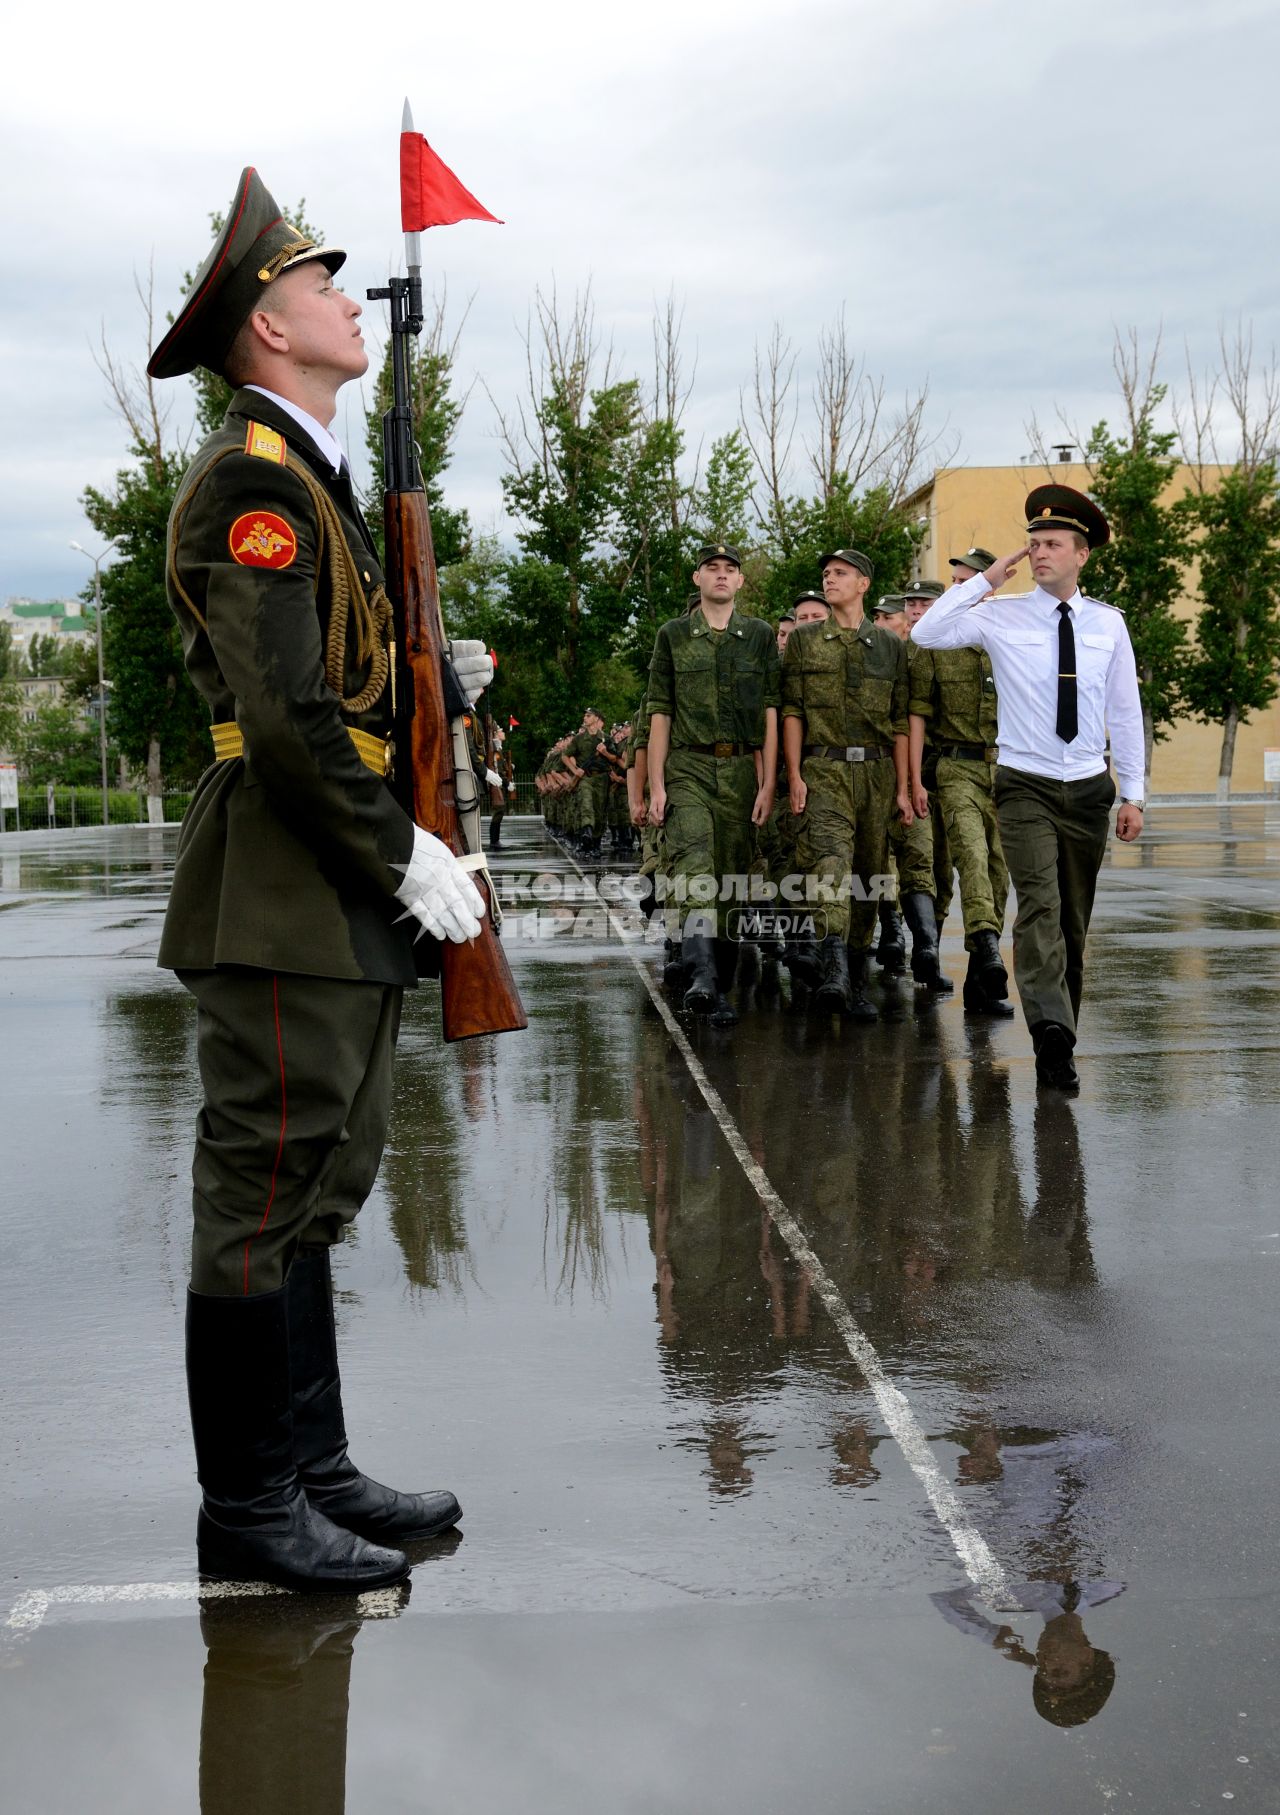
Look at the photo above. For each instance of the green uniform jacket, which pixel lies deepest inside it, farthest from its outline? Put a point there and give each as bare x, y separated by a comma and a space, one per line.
286, 855
849, 686
954, 690
714, 686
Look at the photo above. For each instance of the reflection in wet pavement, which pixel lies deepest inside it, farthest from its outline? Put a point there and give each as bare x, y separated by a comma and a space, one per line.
696, 1570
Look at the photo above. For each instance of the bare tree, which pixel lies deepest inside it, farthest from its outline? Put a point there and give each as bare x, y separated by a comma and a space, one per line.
856, 438
769, 426
132, 392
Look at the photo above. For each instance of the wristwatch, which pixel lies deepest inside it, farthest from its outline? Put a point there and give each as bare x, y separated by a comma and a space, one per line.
1133, 803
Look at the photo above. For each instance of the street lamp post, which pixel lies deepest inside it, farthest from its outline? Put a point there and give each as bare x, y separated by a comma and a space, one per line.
102, 681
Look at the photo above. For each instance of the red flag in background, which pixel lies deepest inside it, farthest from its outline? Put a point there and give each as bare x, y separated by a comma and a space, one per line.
512, 724
430, 194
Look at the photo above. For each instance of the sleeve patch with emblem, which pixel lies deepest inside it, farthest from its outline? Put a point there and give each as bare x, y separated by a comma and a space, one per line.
261, 538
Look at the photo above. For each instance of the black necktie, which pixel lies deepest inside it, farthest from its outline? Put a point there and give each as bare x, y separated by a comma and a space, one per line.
1068, 721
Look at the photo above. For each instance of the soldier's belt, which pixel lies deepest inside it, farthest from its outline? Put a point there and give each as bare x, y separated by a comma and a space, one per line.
374, 752
721, 750
968, 753
848, 753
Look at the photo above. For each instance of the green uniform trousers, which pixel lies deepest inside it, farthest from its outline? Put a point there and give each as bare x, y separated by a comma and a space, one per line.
593, 803
912, 850
297, 1089
943, 859
963, 790
1054, 836
844, 840
708, 832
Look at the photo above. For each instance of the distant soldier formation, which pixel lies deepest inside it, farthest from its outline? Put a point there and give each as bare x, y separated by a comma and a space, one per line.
806, 796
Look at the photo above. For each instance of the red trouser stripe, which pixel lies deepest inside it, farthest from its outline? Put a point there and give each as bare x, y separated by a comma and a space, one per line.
284, 1122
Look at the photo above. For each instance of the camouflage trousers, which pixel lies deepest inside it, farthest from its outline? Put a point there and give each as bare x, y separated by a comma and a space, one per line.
844, 839
708, 830
911, 847
617, 815
652, 851
592, 797
776, 839
969, 813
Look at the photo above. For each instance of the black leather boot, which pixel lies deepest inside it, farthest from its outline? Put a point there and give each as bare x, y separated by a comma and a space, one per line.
976, 999
891, 953
925, 968
330, 1479
861, 1007
833, 995
986, 960
1055, 1068
673, 965
723, 1013
700, 964
256, 1523
801, 959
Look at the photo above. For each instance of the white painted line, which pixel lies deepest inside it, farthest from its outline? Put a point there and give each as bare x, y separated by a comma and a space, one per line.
28, 1611
904, 1427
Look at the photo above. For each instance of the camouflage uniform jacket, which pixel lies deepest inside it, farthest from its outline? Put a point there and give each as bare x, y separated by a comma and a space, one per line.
954, 691
849, 686
714, 686
286, 856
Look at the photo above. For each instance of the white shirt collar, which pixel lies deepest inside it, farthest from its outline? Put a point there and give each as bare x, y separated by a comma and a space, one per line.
327, 444
1050, 604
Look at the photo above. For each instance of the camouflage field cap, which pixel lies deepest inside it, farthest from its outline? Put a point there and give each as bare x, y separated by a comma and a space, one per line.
979, 559
255, 246
923, 589
718, 551
1059, 507
852, 557
890, 605
809, 598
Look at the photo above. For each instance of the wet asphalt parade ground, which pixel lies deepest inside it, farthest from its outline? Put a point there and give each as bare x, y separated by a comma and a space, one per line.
839, 1424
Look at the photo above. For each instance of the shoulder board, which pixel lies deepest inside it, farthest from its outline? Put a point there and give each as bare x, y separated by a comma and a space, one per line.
265, 443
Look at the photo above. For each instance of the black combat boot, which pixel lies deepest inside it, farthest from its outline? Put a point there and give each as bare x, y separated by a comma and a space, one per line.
330, 1479
256, 1523
861, 1007
891, 953
976, 999
495, 834
1055, 1068
986, 960
925, 968
673, 973
801, 959
833, 995
723, 1013
700, 963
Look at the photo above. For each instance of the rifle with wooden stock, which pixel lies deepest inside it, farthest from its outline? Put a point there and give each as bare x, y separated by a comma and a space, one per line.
432, 776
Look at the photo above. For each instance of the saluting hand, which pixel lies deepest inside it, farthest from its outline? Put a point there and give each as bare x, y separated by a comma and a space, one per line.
999, 571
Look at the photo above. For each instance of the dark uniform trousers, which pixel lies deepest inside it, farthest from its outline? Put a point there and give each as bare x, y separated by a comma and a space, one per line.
297, 1088
1054, 836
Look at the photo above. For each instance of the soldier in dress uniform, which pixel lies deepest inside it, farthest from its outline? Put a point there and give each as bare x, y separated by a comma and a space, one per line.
1066, 677
300, 882
713, 751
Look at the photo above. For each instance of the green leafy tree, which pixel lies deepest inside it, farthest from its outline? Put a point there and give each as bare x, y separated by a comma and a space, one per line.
46, 655
722, 504
436, 415
56, 745
807, 528
10, 714
1234, 668
154, 716
1143, 568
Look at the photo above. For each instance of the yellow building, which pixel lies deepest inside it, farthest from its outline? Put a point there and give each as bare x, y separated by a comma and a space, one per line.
964, 506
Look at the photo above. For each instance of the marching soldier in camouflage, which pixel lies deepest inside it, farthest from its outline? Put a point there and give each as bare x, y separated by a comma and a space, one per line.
617, 816
920, 595
584, 759
299, 878
911, 847
713, 747
953, 703
844, 704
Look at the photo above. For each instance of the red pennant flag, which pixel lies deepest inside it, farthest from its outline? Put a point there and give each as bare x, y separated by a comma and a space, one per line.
430, 194
493, 654
513, 724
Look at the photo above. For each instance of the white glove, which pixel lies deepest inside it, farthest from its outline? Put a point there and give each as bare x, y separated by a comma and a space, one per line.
493, 778
438, 892
473, 666
511, 787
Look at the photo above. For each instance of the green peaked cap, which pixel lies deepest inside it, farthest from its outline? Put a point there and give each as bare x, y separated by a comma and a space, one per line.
255, 246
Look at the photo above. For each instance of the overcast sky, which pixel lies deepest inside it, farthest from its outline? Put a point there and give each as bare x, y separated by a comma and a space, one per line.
990, 188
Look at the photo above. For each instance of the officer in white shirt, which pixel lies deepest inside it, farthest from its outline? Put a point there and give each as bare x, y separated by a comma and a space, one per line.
1065, 676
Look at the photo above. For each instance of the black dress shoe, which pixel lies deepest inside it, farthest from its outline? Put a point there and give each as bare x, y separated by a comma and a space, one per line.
1055, 1068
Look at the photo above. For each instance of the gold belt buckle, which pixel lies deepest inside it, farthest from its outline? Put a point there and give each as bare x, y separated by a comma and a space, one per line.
723, 750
